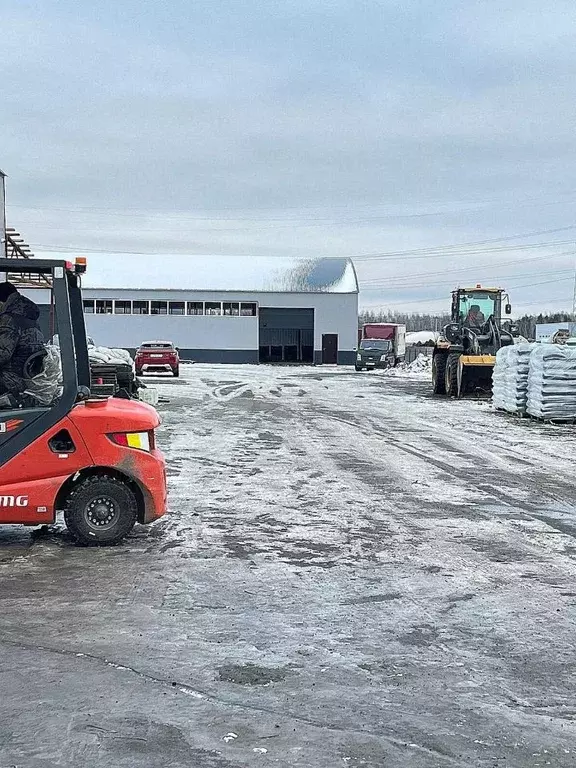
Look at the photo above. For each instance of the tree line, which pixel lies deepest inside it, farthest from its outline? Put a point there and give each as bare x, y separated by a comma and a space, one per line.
422, 321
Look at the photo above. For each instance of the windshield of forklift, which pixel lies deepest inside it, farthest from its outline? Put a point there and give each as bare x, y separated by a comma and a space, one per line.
475, 308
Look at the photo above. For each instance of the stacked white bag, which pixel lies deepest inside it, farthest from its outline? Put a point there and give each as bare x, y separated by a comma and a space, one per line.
109, 356
510, 378
499, 377
552, 383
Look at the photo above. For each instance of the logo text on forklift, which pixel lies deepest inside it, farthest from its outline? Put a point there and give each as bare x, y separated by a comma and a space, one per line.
13, 501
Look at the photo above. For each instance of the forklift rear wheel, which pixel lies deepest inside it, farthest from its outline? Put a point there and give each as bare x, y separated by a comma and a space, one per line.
100, 511
176, 371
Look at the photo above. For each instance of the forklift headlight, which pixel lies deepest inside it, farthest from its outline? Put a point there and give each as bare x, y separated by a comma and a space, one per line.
142, 441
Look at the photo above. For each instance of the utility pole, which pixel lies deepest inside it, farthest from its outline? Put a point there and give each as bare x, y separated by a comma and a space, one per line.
574, 297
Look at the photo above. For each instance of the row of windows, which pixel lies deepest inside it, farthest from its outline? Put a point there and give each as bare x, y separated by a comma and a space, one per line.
138, 307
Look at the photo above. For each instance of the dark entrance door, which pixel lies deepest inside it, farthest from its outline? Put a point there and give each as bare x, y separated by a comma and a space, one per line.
286, 335
330, 348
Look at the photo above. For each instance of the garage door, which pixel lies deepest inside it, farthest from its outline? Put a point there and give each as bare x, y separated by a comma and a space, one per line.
286, 335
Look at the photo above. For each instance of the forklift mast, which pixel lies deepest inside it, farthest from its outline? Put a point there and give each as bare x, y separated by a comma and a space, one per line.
64, 279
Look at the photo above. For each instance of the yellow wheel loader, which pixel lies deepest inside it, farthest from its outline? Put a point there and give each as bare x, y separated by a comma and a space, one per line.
465, 353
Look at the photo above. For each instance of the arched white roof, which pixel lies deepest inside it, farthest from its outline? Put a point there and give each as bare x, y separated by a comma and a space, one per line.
220, 273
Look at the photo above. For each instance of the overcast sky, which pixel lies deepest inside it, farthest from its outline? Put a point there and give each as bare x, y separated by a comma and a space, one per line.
301, 128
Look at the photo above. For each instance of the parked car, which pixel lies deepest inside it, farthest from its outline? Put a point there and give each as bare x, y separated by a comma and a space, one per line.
157, 356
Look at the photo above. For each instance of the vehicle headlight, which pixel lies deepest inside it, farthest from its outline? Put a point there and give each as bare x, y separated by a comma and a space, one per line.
358, 356
382, 357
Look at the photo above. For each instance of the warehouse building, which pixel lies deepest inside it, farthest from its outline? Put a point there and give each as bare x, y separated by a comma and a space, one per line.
226, 309
545, 331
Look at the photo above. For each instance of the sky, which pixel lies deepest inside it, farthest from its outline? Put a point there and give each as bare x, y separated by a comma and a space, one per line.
431, 142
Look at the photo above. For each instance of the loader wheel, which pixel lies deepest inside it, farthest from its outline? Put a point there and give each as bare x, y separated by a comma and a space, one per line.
451, 375
438, 374
100, 511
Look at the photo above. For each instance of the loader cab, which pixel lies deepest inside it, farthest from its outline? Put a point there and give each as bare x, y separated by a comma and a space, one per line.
24, 420
472, 307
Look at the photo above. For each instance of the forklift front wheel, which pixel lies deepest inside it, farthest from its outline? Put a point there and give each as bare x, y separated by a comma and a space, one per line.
100, 511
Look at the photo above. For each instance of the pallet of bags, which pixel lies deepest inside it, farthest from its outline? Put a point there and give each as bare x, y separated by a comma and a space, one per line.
552, 383
510, 378
499, 378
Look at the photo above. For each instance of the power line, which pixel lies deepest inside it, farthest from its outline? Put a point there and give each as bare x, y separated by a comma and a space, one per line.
419, 254
469, 205
385, 282
460, 246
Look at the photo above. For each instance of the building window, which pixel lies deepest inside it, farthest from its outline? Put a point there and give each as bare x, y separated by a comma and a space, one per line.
248, 309
103, 306
159, 308
195, 307
176, 308
89, 306
213, 308
231, 308
140, 307
122, 307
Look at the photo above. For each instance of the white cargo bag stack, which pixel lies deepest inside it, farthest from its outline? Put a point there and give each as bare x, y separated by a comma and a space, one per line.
499, 377
552, 383
510, 378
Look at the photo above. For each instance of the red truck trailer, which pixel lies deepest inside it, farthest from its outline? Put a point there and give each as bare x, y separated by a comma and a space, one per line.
380, 345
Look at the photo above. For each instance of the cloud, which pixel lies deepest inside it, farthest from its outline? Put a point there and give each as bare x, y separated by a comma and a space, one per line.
264, 128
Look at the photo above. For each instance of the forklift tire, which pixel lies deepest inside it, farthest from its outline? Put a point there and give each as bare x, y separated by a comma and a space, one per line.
176, 371
100, 511
451, 377
439, 374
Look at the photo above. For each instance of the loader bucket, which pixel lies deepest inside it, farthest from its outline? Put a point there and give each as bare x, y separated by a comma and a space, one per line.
475, 375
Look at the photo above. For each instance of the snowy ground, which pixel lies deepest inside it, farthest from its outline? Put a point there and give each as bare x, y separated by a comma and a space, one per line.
352, 574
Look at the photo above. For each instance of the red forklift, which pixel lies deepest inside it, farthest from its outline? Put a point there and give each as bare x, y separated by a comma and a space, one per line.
93, 459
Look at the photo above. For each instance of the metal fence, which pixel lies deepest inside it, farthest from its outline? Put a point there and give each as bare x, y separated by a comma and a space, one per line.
413, 352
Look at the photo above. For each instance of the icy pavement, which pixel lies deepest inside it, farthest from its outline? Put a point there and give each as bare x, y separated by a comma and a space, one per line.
352, 574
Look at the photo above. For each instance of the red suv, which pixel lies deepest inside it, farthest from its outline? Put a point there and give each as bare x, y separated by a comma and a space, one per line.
157, 356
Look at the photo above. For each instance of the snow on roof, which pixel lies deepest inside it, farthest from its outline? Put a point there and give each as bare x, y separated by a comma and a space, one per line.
221, 273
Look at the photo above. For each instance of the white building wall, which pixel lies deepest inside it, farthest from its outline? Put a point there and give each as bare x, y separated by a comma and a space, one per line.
186, 331
545, 331
333, 313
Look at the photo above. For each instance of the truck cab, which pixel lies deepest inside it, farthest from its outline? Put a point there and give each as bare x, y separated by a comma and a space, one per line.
374, 353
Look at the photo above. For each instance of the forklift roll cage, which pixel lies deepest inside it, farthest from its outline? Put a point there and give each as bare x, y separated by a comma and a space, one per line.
64, 281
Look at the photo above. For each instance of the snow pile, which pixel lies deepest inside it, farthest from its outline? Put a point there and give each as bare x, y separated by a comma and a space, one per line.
510, 378
422, 363
424, 338
419, 367
552, 382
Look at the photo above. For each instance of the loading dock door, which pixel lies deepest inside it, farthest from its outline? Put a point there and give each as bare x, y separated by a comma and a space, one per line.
286, 335
330, 348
